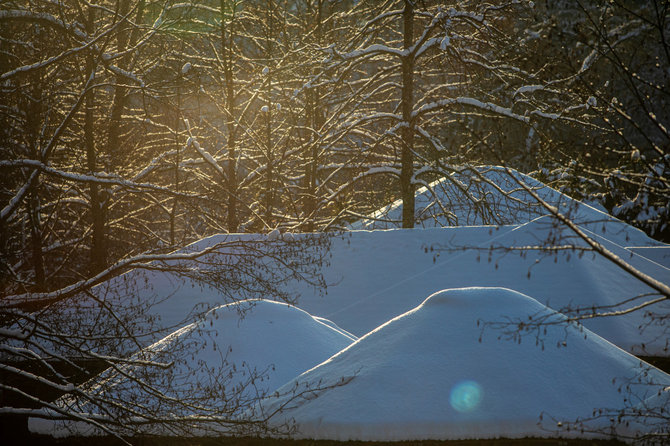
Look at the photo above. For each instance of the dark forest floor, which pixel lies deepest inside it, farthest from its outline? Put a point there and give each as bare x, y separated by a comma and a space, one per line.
38, 440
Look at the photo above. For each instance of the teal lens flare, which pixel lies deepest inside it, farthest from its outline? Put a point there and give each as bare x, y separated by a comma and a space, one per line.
466, 396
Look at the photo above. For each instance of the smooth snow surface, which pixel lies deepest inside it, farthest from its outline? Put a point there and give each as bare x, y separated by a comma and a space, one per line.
274, 337
658, 254
432, 374
269, 341
375, 276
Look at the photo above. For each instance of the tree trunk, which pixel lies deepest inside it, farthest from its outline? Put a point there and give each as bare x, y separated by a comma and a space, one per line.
36, 239
269, 180
269, 172
33, 117
232, 172
315, 120
98, 242
309, 199
119, 101
407, 132
227, 55
125, 39
177, 161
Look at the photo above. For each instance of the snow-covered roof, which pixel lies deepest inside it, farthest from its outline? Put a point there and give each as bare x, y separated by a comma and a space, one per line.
493, 195
254, 345
377, 275
422, 368
432, 373
373, 276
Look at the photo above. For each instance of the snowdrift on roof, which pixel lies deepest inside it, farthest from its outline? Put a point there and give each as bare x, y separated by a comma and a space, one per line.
432, 374
658, 254
492, 195
374, 276
248, 348
155, 301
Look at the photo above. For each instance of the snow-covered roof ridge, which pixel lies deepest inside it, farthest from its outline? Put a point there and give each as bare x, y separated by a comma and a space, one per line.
448, 201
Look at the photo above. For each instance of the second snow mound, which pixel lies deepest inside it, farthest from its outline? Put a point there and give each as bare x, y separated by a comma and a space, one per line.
220, 366
432, 373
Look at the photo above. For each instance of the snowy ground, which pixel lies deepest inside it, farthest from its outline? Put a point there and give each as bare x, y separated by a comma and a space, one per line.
422, 368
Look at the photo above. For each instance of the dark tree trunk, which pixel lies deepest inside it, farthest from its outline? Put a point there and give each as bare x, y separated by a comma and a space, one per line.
33, 117
309, 199
36, 240
125, 38
269, 172
227, 55
98, 242
232, 176
315, 120
177, 161
407, 132
119, 101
